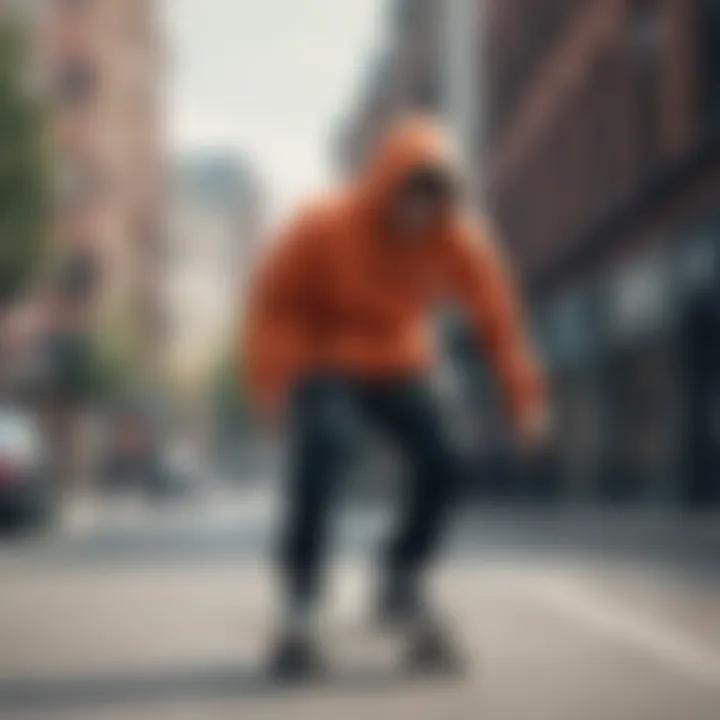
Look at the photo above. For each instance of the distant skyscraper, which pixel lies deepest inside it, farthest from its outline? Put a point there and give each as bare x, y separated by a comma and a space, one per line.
214, 229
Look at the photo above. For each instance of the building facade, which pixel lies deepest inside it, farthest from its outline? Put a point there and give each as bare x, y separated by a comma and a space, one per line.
407, 73
602, 172
215, 225
598, 152
99, 67
214, 230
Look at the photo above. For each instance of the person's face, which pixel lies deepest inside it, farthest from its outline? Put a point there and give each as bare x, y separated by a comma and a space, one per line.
421, 206
416, 214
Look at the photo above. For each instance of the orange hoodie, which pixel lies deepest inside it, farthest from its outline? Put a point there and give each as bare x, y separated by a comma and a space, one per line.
339, 292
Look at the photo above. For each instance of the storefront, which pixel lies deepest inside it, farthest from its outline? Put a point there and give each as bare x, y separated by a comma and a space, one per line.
476, 415
633, 358
699, 341
661, 375
642, 380
569, 340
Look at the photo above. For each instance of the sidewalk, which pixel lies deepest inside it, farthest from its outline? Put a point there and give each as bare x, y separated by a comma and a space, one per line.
89, 513
553, 642
227, 522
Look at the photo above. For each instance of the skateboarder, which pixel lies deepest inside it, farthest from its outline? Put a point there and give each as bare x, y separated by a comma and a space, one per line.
339, 330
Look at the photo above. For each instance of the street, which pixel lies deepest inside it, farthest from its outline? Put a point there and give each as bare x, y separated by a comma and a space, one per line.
257, 258
169, 618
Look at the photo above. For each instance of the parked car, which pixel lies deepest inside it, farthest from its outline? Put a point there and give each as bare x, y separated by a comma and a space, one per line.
139, 458
131, 449
180, 472
26, 492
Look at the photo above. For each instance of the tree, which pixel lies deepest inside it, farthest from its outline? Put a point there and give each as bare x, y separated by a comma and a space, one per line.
23, 187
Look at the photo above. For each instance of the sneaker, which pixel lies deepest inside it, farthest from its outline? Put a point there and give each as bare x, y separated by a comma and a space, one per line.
432, 649
295, 657
430, 643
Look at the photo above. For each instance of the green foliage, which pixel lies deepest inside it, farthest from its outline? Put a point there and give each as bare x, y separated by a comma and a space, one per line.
23, 187
111, 374
115, 363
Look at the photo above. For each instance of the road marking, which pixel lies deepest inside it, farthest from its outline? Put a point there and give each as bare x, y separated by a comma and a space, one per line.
571, 601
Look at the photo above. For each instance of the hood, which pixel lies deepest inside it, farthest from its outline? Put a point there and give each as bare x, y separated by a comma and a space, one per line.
413, 143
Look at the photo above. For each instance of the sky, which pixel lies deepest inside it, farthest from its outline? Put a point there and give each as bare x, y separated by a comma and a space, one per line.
270, 79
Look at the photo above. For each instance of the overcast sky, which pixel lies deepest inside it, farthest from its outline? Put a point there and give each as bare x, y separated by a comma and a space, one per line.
271, 78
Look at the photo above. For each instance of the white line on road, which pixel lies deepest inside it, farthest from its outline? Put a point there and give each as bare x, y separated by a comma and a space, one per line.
570, 601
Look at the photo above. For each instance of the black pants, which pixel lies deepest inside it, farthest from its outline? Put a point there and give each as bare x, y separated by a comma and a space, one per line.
324, 425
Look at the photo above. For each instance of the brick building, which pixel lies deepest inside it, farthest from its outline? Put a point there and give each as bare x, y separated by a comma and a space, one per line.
97, 66
602, 172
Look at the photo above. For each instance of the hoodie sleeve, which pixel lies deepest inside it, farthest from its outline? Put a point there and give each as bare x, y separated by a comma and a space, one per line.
274, 344
480, 279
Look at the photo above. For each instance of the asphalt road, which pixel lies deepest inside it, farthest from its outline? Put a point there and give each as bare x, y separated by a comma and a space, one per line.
143, 628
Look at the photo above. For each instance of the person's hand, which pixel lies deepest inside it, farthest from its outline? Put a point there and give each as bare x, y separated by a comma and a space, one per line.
535, 432
271, 416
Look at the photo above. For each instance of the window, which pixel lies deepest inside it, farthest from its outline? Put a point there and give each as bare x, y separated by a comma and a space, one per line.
709, 31
647, 38
76, 82
602, 106
78, 277
517, 51
578, 172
